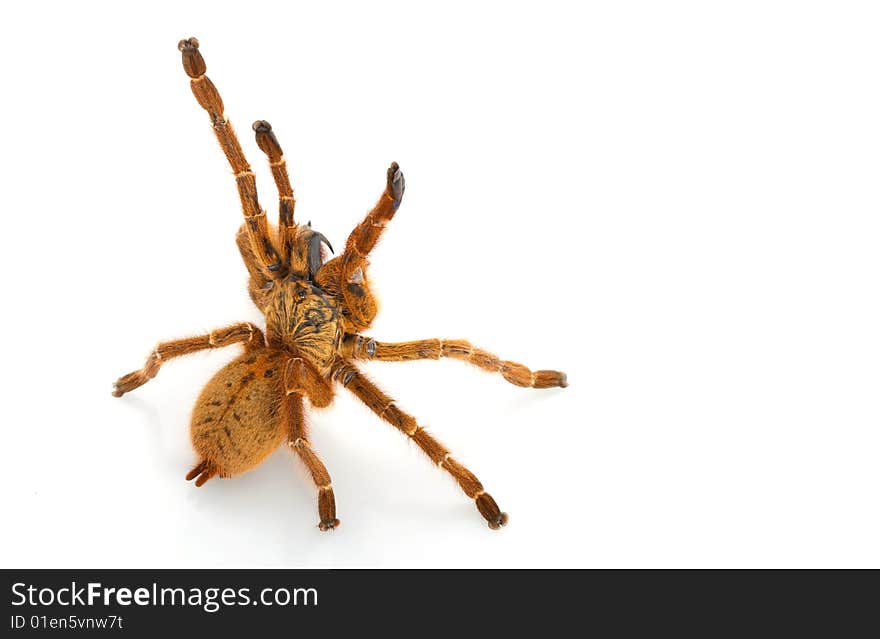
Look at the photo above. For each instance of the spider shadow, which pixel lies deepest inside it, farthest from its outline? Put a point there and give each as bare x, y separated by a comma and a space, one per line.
273, 507
151, 423
275, 502
270, 494
530, 400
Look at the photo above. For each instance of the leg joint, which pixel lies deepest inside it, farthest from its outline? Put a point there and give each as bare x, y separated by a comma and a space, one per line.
390, 403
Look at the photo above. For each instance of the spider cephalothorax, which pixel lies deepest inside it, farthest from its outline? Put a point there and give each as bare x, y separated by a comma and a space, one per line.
315, 311
301, 317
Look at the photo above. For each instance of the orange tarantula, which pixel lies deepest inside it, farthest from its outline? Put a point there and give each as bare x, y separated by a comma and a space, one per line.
315, 311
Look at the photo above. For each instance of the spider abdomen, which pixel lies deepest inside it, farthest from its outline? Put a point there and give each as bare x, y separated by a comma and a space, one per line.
235, 422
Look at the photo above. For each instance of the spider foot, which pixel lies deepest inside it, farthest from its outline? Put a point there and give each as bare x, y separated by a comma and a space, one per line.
329, 524
193, 63
266, 140
188, 43
500, 522
550, 379
128, 383
396, 184
490, 511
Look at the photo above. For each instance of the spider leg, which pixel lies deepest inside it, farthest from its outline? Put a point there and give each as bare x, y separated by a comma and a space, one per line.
353, 261
255, 217
258, 281
300, 377
386, 409
267, 141
292, 411
363, 238
362, 347
234, 334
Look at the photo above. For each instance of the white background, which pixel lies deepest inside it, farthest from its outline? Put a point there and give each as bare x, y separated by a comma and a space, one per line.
675, 203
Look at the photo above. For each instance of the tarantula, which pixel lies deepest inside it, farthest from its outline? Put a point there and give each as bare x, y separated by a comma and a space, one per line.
315, 310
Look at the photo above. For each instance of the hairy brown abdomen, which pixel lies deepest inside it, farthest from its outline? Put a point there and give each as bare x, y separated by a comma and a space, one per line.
235, 422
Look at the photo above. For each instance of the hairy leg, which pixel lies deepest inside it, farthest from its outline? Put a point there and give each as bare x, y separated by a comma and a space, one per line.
363, 238
300, 377
362, 347
209, 99
353, 261
292, 412
257, 282
244, 332
385, 408
268, 143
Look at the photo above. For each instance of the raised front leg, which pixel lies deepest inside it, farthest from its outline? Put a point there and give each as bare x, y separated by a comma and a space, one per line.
361, 347
386, 409
347, 273
267, 259
365, 235
245, 332
268, 143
